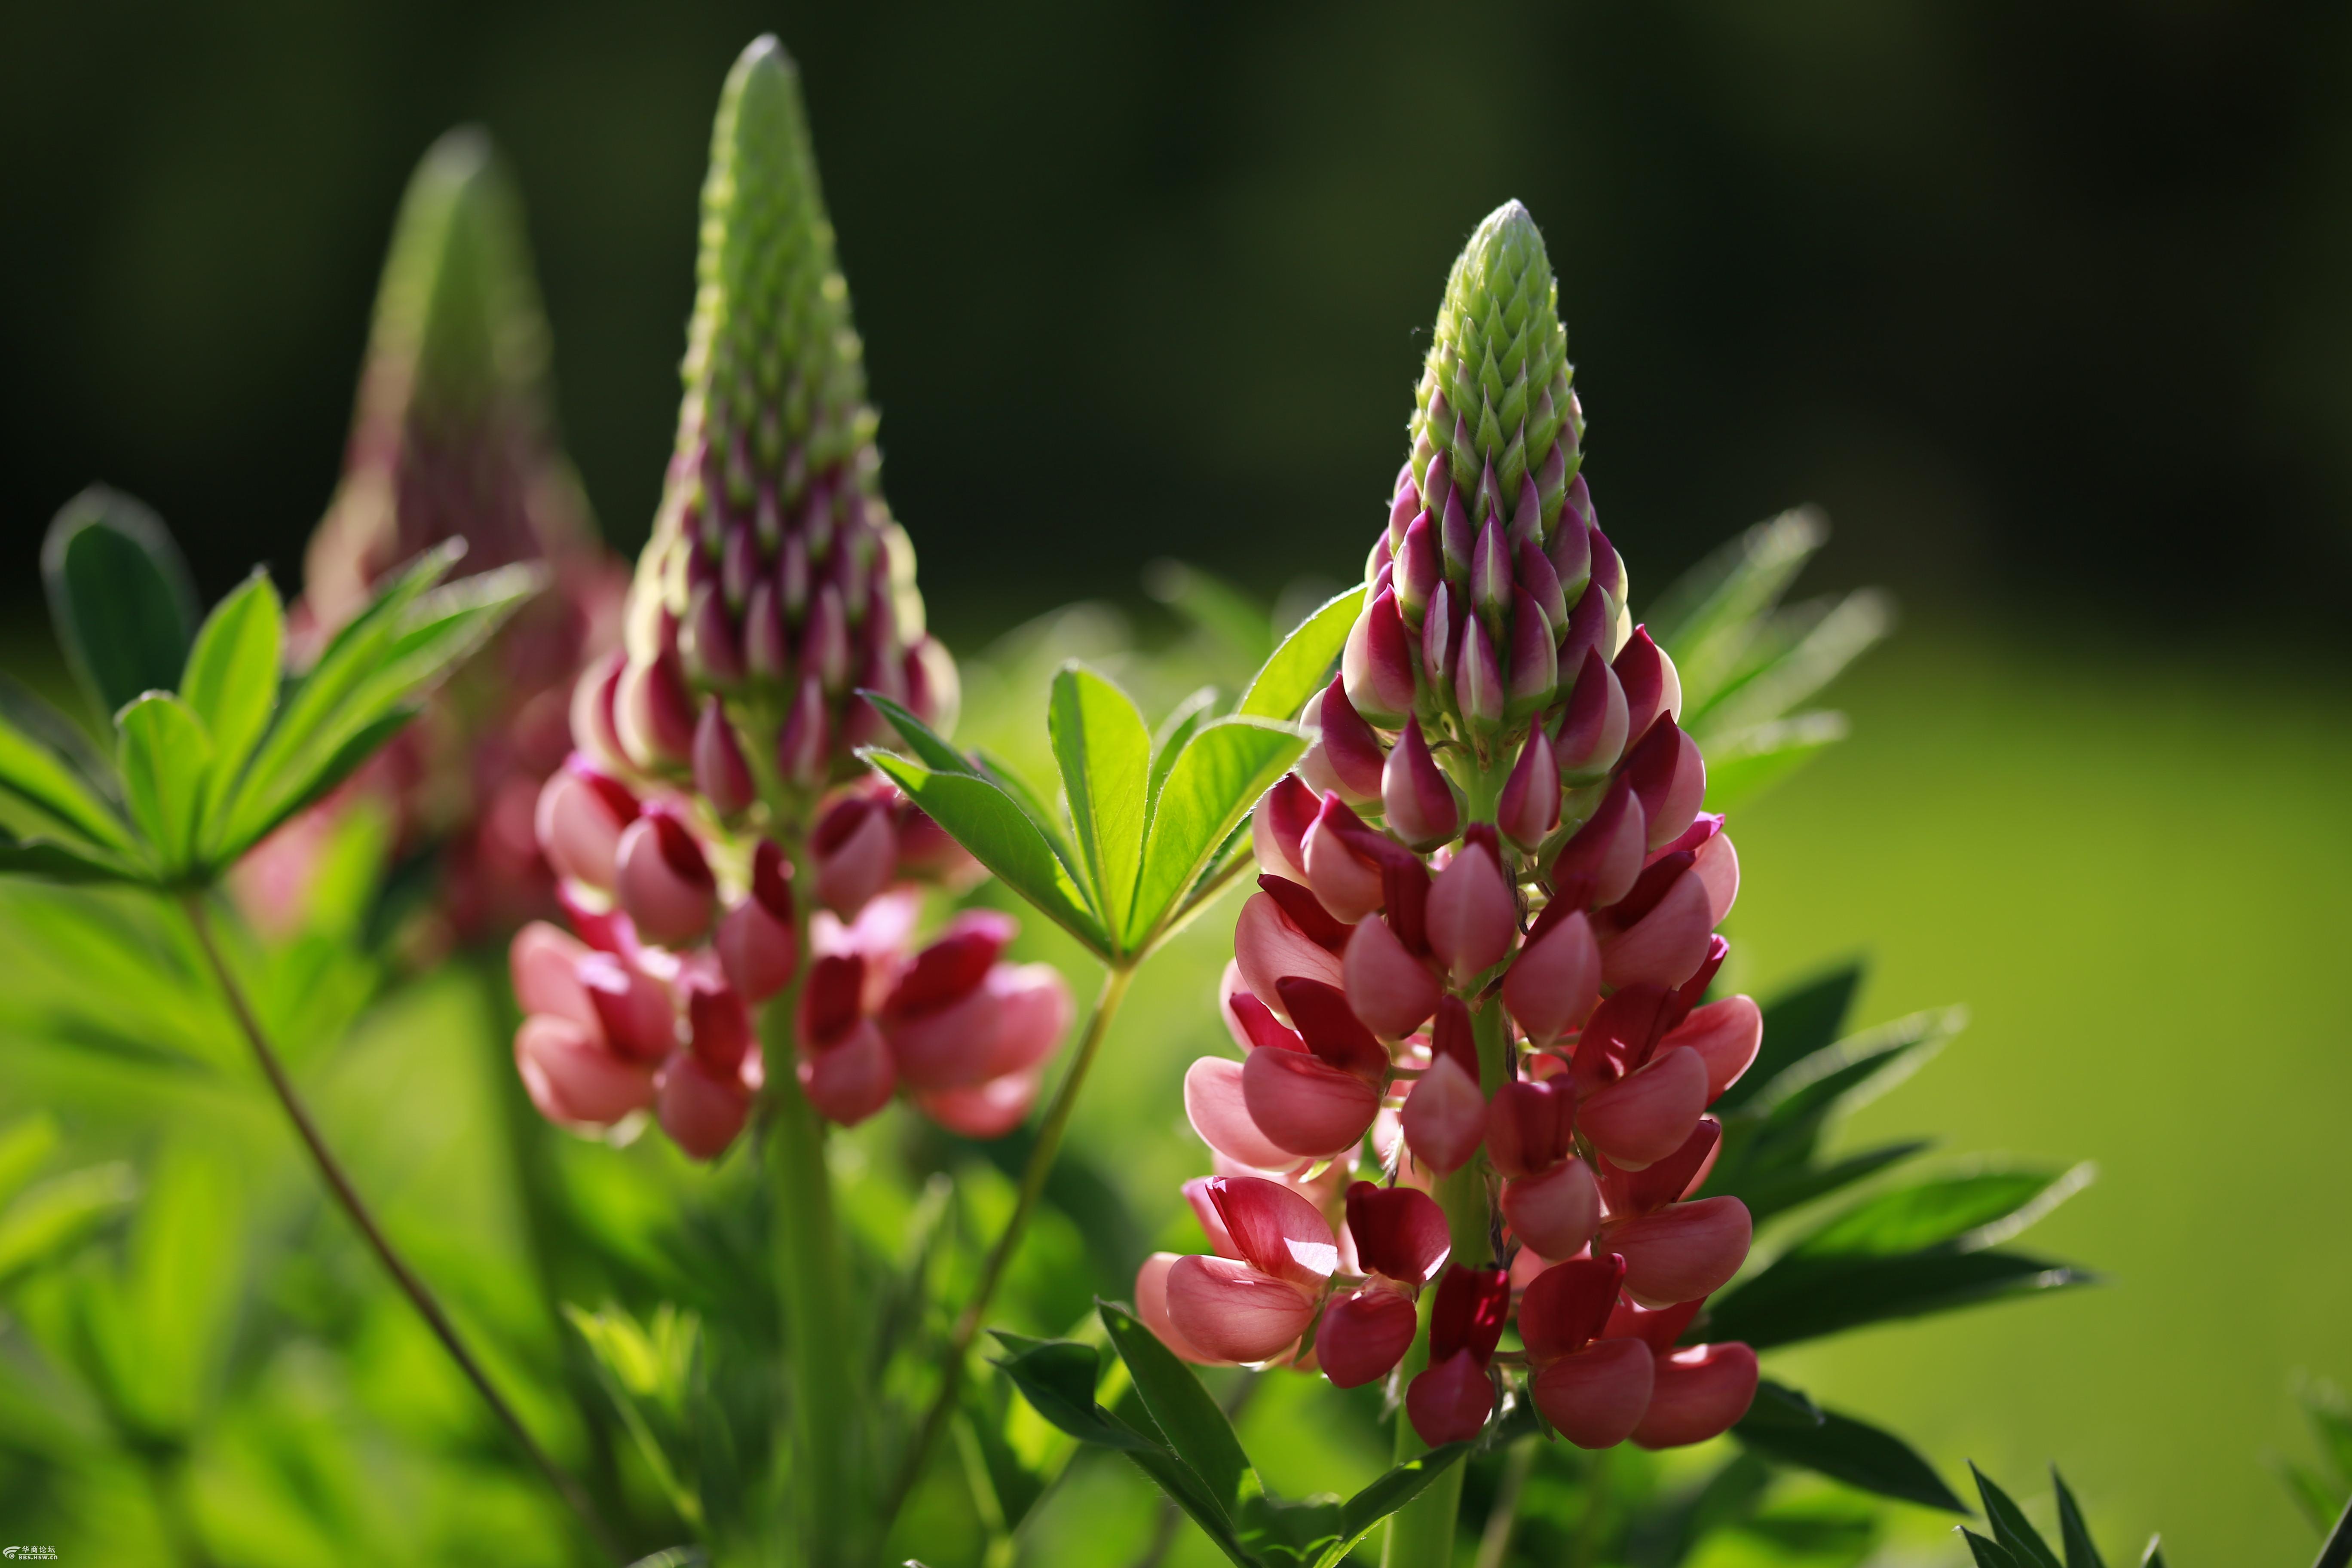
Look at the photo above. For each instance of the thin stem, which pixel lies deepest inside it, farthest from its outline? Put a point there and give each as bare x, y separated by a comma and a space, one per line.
355, 1206
1033, 1183
1494, 1545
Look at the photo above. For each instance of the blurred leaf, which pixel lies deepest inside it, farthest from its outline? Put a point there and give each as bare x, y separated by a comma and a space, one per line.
1776, 1192
1707, 617
1797, 1023
1293, 1532
167, 762
49, 1220
1176, 731
48, 862
2072, 1533
1191, 1420
1215, 606
1057, 1378
2331, 1423
646, 1372
1392, 1491
1792, 674
2336, 1553
1841, 1448
369, 679
2318, 1501
1217, 777
1299, 668
1948, 1209
1985, 1554
1791, 1303
120, 597
1105, 753
1007, 1489
67, 740
26, 1145
231, 682
981, 818
930, 748
63, 806
2011, 1529
2153, 1556
1771, 1142
1742, 765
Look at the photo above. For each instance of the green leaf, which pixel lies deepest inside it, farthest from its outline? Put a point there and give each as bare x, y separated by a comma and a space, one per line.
1840, 1447
1985, 1554
2153, 1556
1771, 1193
50, 1219
2082, 1551
1057, 1377
981, 818
2010, 1528
1397, 1488
167, 761
25, 1146
1301, 665
42, 859
1227, 764
120, 597
1940, 1211
1741, 766
2336, 1553
1190, 1419
1798, 1299
1801, 650
1105, 753
1213, 605
231, 681
376, 671
37, 780
1049, 822
1176, 731
1797, 1023
1292, 1532
2325, 1407
930, 748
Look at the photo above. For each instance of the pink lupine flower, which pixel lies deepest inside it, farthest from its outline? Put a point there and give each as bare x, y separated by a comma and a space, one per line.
663, 879
1252, 1304
1503, 977
579, 819
756, 942
854, 851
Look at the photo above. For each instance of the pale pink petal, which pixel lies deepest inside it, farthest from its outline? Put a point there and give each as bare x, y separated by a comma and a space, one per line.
1151, 1307
1268, 947
1225, 1308
1389, 989
1304, 1105
990, 1110
1680, 1252
573, 1078
1219, 1111
1727, 1035
543, 960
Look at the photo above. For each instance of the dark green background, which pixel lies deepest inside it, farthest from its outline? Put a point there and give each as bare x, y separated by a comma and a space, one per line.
2035, 298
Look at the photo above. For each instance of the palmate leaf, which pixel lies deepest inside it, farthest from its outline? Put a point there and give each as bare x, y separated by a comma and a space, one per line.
231, 680
1706, 618
120, 597
2012, 1532
166, 757
1788, 1428
1218, 777
1194, 1426
2074, 1535
1105, 752
1300, 667
978, 815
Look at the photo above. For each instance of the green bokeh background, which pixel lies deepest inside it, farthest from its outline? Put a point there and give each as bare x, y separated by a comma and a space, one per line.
2048, 305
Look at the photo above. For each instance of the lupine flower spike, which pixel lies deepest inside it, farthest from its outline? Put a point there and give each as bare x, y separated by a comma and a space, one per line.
1483, 936
454, 438
712, 851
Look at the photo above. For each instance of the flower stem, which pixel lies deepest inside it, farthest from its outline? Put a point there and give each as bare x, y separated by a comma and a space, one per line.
332, 1171
1421, 1533
1494, 1545
809, 1275
1033, 1183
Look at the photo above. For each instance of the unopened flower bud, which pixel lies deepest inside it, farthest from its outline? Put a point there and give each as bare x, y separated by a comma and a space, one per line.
1552, 985
700, 1107
707, 644
1681, 1252
722, 776
1653, 689
1405, 505
1416, 794
718, 1026
1349, 886
594, 725
1570, 553
1420, 571
1699, 1391
1478, 685
663, 879
1670, 777
1456, 540
1596, 1397
653, 713
633, 1010
1647, 1115
1534, 573
804, 744
1279, 827
1346, 755
756, 944
1530, 1127
1389, 989
1490, 574
1444, 1118
1607, 851
1473, 915
1376, 665
851, 1079
1528, 808
580, 815
1364, 1334
1590, 736
1535, 662
1554, 1212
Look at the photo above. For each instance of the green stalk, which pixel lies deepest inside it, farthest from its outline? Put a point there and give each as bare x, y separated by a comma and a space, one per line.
1033, 1185
1421, 1533
338, 1182
811, 1274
